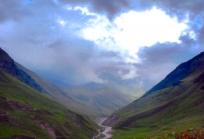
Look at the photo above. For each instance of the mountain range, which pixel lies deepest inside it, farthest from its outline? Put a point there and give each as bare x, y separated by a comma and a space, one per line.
83, 98
174, 105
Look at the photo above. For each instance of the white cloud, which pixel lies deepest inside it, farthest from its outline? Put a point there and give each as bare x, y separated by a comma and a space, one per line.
62, 22
130, 75
84, 10
132, 30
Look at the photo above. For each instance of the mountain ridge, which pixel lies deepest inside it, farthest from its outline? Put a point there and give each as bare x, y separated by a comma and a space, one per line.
176, 75
9, 66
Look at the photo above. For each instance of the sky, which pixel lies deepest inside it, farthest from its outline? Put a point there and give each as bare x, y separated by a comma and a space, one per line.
130, 44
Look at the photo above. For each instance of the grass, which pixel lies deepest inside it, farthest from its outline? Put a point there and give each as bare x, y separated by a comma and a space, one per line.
162, 125
7, 132
161, 131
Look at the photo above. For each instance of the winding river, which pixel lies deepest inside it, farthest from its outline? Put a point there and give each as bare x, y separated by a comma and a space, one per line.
106, 130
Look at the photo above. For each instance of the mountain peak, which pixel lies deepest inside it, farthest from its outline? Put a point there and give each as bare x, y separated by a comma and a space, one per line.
4, 56
8, 65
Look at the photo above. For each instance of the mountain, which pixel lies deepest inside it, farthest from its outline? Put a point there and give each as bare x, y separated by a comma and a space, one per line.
28, 114
174, 105
91, 99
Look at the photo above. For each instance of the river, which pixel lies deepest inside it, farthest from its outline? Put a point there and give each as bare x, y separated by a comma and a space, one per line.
106, 130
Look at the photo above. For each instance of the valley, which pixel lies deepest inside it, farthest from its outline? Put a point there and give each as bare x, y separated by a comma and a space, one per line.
32, 107
101, 69
91, 99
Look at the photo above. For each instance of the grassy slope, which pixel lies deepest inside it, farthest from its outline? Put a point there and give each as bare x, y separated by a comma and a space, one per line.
63, 122
161, 117
175, 108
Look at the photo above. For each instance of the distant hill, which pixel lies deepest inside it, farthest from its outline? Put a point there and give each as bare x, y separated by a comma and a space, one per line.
91, 99
174, 105
98, 99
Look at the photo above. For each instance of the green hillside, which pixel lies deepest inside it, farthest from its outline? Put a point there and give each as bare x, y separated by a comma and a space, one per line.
174, 105
25, 112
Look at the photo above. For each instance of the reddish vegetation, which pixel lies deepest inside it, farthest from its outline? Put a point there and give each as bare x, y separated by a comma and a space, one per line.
4, 117
196, 134
12, 105
46, 126
22, 137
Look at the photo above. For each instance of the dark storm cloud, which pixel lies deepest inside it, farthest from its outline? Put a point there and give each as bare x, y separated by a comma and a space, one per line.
175, 7
14, 9
109, 7
113, 7
170, 52
201, 34
11, 10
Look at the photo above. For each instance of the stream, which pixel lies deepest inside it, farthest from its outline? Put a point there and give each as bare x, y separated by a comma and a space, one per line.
106, 130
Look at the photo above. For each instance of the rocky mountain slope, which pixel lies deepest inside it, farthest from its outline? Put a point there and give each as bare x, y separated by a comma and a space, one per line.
174, 105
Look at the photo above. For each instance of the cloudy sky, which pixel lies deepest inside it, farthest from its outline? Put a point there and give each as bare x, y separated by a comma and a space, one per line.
130, 43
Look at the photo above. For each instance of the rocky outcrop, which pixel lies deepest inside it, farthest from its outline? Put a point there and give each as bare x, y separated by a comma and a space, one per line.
13, 105
112, 120
47, 127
